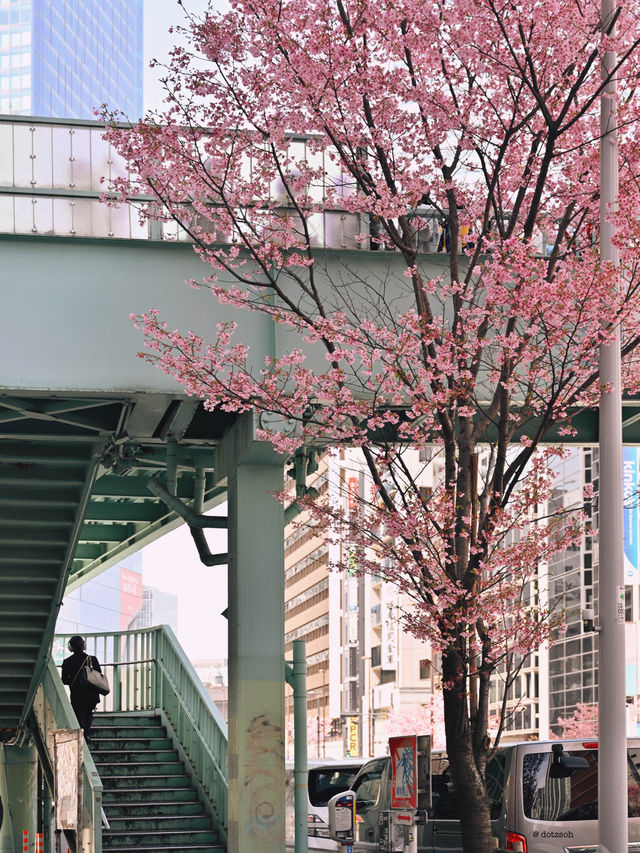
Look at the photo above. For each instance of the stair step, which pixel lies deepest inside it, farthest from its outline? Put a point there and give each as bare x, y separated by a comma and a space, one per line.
139, 796
103, 743
115, 840
193, 848
118, 808
137, 732
126, 718
121, 756
154, 822
112, 782
143, 768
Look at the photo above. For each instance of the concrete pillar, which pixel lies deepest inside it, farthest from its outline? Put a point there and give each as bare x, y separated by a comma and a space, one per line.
19, 796
256, 657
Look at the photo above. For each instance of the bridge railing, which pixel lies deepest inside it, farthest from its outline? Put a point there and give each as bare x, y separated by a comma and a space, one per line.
53, 172
148, 671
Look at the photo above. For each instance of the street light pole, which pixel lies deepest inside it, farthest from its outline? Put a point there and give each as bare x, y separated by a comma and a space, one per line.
612, 772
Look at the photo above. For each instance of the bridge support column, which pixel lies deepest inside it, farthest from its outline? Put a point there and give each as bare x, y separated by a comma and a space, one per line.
256, 656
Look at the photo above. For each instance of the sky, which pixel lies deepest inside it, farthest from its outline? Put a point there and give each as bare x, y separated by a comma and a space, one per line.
171, 563
159, 15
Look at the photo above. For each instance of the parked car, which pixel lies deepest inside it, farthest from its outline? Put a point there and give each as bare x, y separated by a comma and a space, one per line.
544, 799
326, 777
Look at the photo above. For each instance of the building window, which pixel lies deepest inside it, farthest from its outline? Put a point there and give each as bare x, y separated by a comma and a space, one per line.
425, 669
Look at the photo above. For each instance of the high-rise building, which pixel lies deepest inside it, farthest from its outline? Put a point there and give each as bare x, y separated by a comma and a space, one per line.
157, 608
64, 58
107, 602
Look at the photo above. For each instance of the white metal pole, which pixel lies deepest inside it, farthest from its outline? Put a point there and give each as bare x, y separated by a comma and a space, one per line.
612, 781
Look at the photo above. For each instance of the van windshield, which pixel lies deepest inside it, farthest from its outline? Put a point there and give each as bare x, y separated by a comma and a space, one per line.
575, 796
327, 781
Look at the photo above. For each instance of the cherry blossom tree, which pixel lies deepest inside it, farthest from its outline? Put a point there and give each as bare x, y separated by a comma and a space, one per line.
476, 118
425, 718
582, 723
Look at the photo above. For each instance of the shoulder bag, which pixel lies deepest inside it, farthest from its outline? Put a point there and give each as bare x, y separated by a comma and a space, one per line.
96, 679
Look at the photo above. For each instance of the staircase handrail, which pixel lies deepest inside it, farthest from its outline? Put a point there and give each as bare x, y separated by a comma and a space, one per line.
194, 723
52, 711
190, 711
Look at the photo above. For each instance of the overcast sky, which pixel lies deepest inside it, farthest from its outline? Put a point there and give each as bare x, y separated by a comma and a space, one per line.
171, 563
159, 15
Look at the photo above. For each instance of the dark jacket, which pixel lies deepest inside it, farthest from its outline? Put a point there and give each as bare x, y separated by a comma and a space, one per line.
86, 694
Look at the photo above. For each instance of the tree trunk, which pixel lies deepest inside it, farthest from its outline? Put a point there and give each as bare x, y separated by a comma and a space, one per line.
468, 782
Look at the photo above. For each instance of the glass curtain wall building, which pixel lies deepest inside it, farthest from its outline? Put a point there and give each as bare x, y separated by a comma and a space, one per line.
64, 58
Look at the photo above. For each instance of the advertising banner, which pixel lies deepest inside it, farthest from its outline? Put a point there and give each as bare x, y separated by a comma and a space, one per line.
630, 513
389, 634
404, 772
130, 596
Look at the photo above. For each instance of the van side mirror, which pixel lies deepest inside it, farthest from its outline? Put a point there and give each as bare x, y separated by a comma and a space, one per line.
342, 817
563, 765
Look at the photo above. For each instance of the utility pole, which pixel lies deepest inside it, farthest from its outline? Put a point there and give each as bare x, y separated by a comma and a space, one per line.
612, 763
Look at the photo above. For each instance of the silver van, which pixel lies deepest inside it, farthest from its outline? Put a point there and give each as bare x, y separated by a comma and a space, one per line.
544, 799
326, 777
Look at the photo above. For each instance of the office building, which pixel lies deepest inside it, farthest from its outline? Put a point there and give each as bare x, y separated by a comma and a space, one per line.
156, 608
64, 58
108, 602
562, 676
363, 671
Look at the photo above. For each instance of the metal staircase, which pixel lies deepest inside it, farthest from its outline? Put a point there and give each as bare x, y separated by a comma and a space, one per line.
159, 747
151, 801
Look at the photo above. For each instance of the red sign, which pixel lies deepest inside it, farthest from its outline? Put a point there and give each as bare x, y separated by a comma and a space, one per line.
404, 772
130, 596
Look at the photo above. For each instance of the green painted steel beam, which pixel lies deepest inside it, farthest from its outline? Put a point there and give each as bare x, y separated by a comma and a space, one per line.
134, 511
92, 532
113, 486
86, 551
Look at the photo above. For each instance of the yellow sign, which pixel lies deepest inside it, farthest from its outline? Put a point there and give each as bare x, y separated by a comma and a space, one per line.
353, 736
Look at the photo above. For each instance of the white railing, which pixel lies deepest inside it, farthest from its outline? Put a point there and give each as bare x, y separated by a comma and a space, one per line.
53, 171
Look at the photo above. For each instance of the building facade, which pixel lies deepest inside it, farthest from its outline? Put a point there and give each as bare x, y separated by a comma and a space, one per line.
561, 678
157, 607
64, 58
363, 672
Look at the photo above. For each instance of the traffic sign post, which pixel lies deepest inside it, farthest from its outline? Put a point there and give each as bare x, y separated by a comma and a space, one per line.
410, 783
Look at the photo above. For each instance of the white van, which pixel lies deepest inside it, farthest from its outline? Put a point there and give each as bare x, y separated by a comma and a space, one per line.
326, 777
544, 796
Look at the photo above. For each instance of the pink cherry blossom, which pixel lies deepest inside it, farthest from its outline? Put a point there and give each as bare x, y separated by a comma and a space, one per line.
482, 118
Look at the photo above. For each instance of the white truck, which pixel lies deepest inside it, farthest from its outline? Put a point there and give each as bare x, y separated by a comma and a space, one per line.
544, 799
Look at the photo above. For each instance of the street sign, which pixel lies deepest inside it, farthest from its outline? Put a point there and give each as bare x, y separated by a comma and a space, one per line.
404, 772
424, 772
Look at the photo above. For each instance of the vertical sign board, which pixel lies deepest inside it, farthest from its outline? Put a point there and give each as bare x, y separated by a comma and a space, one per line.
630, 514
404, 772
67, 752
353, 736
424, 771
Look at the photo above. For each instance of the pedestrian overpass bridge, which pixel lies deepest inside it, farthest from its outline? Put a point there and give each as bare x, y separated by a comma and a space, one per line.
85, 424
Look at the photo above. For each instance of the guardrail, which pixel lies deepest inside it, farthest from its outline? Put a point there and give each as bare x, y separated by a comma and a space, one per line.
147, 671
